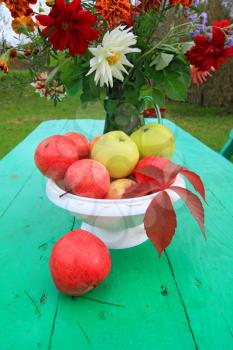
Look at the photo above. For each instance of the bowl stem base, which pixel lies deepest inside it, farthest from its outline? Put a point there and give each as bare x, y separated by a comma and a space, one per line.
122, 239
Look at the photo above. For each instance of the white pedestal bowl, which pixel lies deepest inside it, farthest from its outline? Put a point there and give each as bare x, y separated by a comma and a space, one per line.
118, 223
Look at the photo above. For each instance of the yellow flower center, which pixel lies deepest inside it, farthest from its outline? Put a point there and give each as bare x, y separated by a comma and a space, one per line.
114, 58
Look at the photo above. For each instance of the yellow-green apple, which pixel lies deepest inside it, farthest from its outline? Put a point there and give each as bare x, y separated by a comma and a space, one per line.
154, 139
87, 178
117, 152
118, 187
81, 142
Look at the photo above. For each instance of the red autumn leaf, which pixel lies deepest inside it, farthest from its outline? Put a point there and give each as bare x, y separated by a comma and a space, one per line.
195, 180
171, 170
160, 221
193, 203
154, 173
163, 177
139, 190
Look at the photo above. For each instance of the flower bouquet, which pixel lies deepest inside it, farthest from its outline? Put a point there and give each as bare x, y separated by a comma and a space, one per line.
132, 56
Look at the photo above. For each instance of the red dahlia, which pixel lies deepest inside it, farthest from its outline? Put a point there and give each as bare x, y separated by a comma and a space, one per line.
209, 53
68, 26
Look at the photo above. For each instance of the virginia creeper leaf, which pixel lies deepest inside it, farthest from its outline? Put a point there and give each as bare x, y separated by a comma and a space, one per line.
171, 170
195, 180
140, 190
193, 203
160, 221
154, 173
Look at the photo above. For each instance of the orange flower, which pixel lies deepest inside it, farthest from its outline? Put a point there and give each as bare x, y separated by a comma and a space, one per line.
113, 11
4, 67
23, 24
199, 77
184, 3
19, 8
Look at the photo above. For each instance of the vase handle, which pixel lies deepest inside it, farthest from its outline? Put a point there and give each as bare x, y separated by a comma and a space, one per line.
144, 99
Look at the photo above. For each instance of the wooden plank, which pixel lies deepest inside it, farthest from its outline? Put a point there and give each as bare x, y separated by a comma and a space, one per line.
18, 165
28, 298
203, 272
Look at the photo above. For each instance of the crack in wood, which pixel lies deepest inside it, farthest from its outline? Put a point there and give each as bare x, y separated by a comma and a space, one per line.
54, 321
56, 311
182, 302
220, 202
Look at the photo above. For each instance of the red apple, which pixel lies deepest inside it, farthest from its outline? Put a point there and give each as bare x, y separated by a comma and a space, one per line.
118, 187
79, 262
81, 143
92, 142
158, 162
54, 155
87, 178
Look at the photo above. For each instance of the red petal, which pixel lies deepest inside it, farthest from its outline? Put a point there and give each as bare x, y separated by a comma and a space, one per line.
200, 40
46, 20
225, 23
195, 180
193, 203
76, 4
62, 6
160, 221
86, 17
219, 38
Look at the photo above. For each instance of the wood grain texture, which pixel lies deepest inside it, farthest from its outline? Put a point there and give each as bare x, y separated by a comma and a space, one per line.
182, 301
204, 270
28, 298
28, 229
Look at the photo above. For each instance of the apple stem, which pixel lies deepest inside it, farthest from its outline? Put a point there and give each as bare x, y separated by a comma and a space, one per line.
63, 194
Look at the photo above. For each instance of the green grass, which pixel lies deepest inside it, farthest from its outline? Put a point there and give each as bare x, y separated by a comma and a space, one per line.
22, 110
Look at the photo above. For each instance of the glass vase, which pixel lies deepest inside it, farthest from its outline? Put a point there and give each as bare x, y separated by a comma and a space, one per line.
120, 113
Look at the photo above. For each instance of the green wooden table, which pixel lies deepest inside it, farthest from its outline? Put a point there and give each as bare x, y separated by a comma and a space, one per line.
182, 301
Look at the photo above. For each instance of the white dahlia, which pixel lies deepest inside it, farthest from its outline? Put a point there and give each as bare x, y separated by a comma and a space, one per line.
110, 56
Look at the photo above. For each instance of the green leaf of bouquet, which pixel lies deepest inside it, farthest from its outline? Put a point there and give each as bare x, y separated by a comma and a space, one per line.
131, 94
56, 58
175, 86
158, 96
169, 48
146, 90
74, 87
72, 76
52, 75
162, 61
187, 46
91, 91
